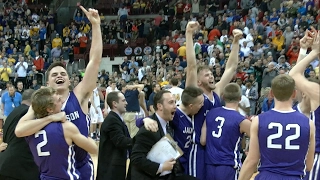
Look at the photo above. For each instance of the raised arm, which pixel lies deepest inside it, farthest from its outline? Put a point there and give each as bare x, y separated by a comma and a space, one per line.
232, 63
28, 125
88, 83
192, 27
311, 89
305, 43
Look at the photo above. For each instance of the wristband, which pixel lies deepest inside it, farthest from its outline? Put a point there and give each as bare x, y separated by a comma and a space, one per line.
303, 52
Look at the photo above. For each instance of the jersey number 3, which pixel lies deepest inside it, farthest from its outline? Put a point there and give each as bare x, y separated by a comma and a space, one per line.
279, 134
42, 143
220, 120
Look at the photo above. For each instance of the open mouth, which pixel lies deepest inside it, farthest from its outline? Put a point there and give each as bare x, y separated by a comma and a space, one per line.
60, 81
172, 113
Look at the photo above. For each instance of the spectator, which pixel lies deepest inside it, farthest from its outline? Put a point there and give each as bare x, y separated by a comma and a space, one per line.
5, 72
10, 100
35, 85
21, 69
57, 41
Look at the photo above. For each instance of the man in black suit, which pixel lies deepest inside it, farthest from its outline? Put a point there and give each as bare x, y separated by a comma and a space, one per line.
115, 141
16, 161
141, 167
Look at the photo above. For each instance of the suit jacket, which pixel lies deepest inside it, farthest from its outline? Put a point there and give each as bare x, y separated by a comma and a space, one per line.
141, 167
115, 143
17, 160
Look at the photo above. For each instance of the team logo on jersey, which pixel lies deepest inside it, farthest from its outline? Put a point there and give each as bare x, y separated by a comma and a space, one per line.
128, 51
147, 50
137, 50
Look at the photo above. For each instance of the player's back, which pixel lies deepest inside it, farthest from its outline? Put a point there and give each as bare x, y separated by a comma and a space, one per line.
223, 137
54, 157
75, 115
283, 142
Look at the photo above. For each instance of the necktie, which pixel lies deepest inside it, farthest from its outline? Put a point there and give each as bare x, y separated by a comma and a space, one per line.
169, 130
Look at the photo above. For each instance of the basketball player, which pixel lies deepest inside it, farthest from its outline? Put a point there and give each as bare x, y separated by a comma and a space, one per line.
75, 102
282, 138
95, 114
311, 89
176, 91
202, 77
52, 147
222, 133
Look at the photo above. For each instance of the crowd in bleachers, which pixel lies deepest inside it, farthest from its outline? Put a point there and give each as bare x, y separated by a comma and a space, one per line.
270, 45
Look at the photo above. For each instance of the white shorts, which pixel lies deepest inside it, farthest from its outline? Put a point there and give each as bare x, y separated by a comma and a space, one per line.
96, 117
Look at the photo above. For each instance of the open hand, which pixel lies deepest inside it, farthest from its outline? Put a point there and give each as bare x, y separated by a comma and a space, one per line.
92, 15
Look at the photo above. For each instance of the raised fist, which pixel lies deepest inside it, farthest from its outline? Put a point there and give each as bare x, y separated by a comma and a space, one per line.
192, 26
237, 35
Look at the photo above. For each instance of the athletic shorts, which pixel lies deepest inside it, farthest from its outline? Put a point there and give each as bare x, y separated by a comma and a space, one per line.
96, 117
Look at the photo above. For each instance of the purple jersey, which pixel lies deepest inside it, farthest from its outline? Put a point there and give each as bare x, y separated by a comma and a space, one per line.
184, 135
75, 115
223, 125
201, 115
197, 151
54, 157
283, 135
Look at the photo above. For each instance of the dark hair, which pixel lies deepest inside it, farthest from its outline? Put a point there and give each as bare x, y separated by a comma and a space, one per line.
26, 95
53, 65
154, 86
112, 96
189, 95
174, 81
158, 98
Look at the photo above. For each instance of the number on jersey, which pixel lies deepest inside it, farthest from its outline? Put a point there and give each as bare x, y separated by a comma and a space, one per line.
43, 143
220, 120
279, 134
189, 140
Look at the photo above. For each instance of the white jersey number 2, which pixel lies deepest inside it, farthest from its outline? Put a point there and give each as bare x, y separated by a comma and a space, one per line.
279, 134
43, 143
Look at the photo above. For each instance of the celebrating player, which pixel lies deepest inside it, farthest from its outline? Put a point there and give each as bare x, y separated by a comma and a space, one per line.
202, 77
282, 138
222, 133
310, 88
52, 147
75, 102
